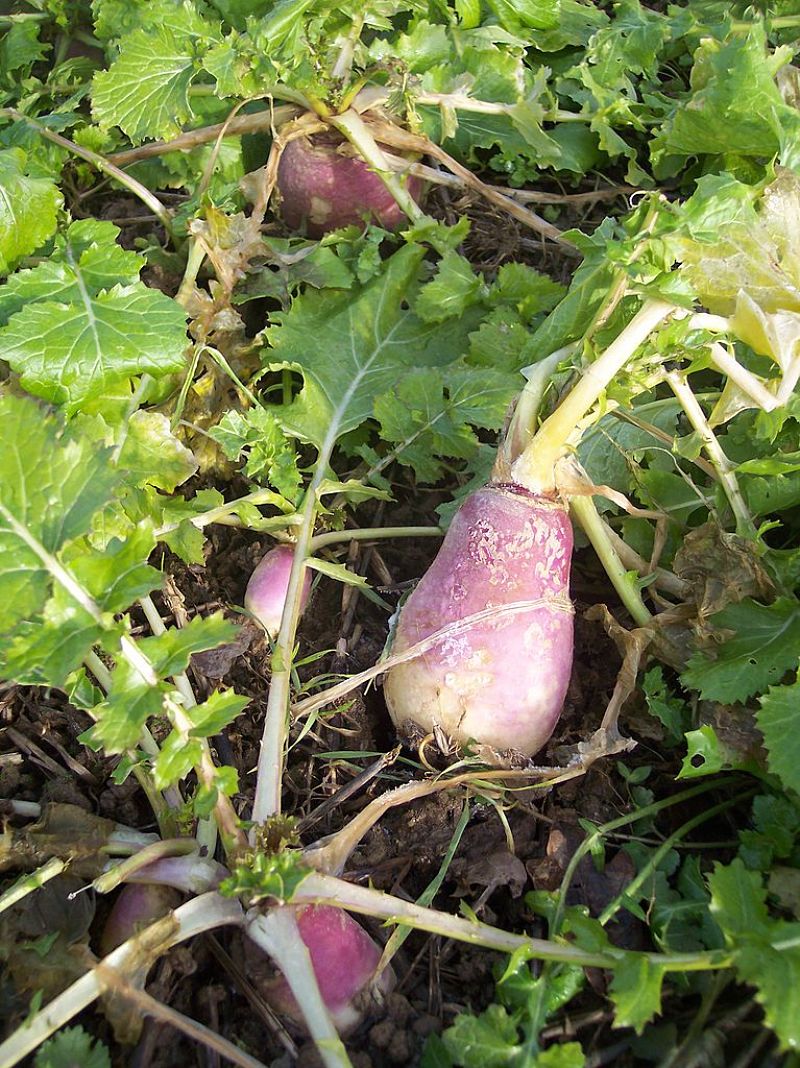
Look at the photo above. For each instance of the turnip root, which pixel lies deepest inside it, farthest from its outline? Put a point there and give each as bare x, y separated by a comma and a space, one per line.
266, 591
136, 907
344, 958
323, 185
497, 593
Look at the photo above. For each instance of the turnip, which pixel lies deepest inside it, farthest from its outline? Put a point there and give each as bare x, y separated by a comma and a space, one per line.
496, 596
265, 595
344, 959
136, 907
324, 184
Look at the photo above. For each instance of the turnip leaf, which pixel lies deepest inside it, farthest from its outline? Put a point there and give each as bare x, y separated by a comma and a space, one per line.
764, 646
636, 992
779, 722
71, 353
431, 413
353, 347
146, 90
50, 487
28, 208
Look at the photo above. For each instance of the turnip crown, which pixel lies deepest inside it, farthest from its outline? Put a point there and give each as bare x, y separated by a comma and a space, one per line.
497, 597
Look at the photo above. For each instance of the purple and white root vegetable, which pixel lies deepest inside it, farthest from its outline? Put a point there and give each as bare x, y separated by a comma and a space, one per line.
344, 958
324, 185
497, 597
266, 591
136, 907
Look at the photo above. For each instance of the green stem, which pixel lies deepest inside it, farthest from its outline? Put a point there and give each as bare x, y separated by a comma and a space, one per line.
585, 511
332, 537
726, 472
655, 859
352, 126
597, 836
536, 466
102, 164
214, 515
28, 883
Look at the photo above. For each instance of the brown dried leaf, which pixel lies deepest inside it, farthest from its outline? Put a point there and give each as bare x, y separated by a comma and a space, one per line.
721, 569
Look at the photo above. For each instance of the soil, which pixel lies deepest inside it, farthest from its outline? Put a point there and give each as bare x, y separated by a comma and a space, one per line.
502, 856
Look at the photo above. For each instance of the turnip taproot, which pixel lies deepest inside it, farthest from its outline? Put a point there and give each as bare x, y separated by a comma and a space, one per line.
136, 907
344, 958
323, 185
498, 594
493, 614
265, 595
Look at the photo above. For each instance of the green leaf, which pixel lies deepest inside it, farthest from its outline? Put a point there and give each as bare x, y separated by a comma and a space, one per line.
70, 1047
71, 353
170, 652
50, 487
85, 259
636, 991
451, 292
152, 455
362, 342
564, 1055
764, 647
490, 1040
127, 708
177, 757
120, 574
270, 456
707, 754
216, 713
146, 91
734, 105
738, 901
430, 414
779, 721
28, 209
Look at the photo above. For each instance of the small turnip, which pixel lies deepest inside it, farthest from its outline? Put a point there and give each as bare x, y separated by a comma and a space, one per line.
136, 907
499, 679
324, 185
265, 595
344, 958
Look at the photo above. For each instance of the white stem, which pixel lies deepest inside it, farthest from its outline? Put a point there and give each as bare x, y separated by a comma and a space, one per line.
277, 934
725, 469
202, 914
747, 382
536, 466
26, 884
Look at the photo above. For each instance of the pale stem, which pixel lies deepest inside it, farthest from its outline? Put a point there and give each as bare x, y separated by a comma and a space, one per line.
157, 1010
585, 511
725, 469
194, 262
26, 809
102, 164
263, 120
26, 884
330, 854
747, 382
167, 847
522, 425
327, 890
156, 624
277, 934
352, 126
332, 537
201, 914
535, 467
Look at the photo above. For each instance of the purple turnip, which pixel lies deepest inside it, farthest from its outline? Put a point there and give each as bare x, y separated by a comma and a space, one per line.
344, 958
265, 595
136, 907
497, 593
323, 185
492, 618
